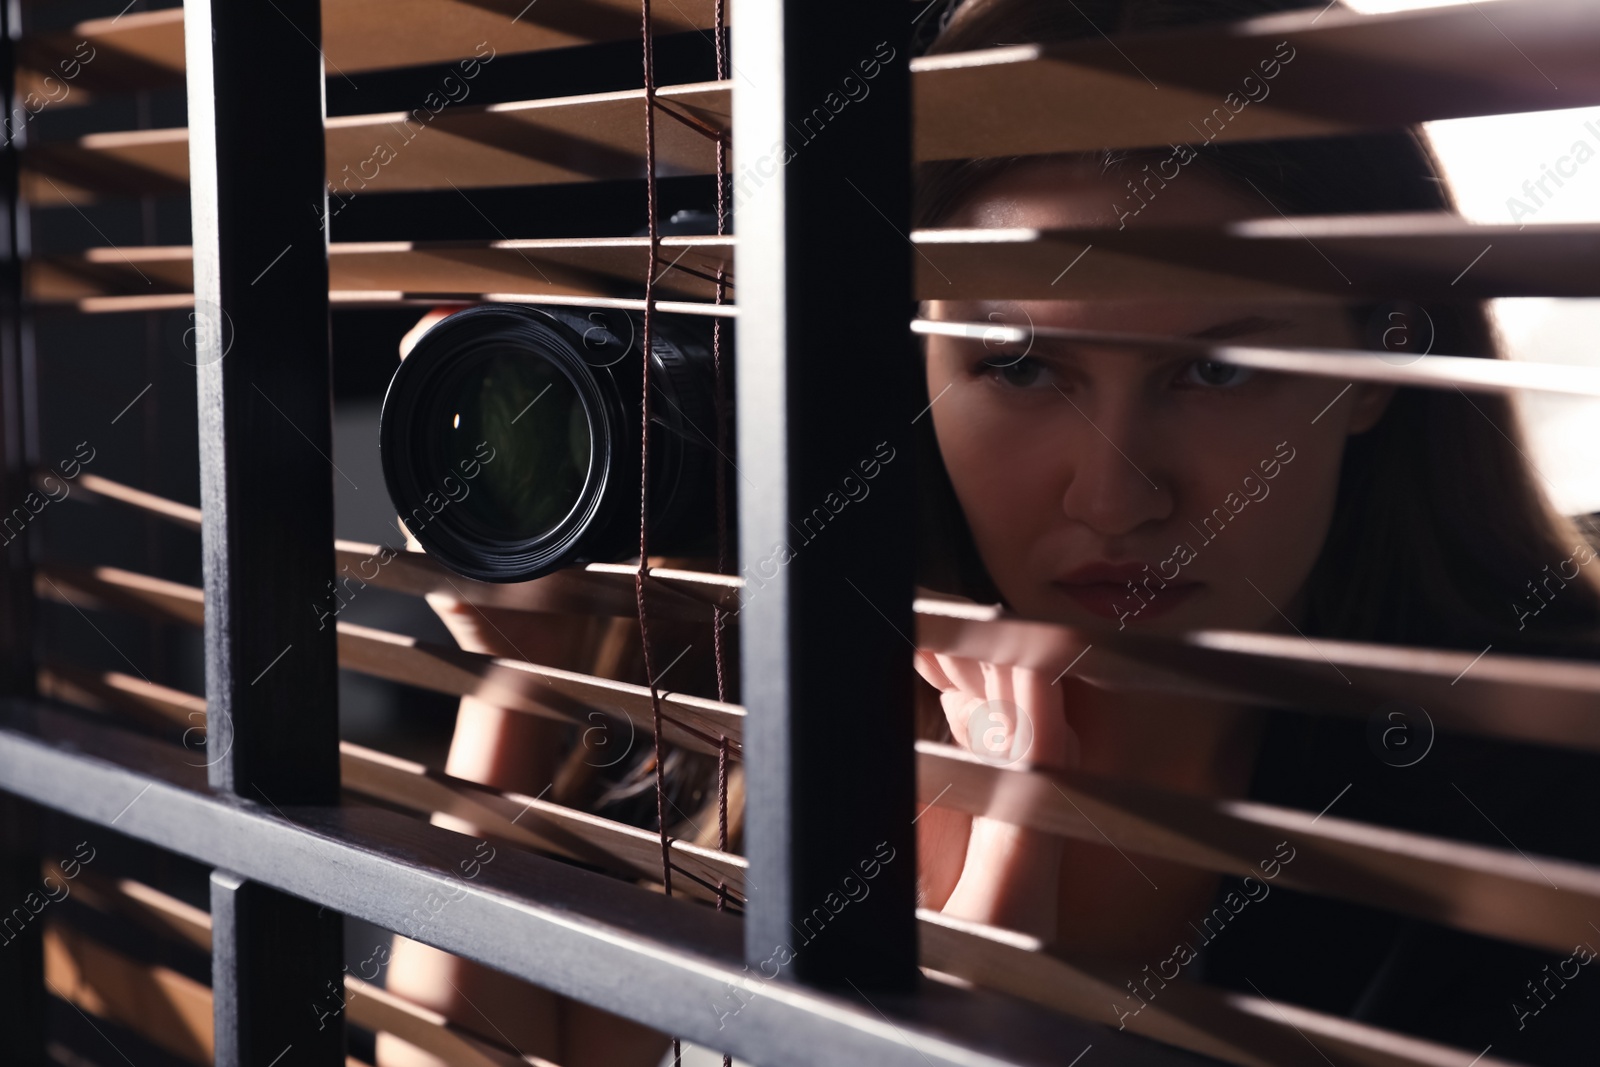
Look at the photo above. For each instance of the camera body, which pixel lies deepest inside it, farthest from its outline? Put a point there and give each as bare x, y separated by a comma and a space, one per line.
510, 439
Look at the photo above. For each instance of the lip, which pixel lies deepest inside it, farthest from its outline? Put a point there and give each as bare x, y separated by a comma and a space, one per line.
1102, 588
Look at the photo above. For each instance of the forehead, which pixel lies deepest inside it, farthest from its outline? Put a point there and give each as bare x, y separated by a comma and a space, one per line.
1048, 192
1319, 324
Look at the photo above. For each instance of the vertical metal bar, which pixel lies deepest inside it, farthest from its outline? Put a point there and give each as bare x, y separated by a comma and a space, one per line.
17, 414
258, 199
821, 186
286, 1005
22, 988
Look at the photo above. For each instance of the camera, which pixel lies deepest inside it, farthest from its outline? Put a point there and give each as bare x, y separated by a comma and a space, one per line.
510, 439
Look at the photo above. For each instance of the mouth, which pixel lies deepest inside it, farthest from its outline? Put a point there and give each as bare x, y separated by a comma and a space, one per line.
1124, 591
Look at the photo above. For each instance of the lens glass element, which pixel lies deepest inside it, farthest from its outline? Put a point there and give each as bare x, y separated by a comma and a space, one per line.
516, 416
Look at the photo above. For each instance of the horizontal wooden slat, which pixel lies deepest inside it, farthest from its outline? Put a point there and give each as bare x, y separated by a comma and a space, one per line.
1337, 257
593, 589
593, 137
1496, 892
1391, 368
1237, 1029
573, 270
1519, 698
168, 1009
1344, 72
540, 824
144, 49
133, 50
175, 1012
692, 722
1323, 258
1232, 1027
372, 298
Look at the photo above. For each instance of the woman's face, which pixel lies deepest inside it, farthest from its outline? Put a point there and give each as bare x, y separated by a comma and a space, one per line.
1082, 469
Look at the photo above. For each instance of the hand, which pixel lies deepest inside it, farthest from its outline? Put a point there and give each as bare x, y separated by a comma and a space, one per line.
1004, 714
1010, 875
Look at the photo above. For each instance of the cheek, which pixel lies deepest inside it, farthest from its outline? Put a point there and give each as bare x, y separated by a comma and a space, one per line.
1271, 544
998, 465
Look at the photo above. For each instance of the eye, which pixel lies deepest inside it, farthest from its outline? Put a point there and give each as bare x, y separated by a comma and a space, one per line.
1018, 372
1210, 373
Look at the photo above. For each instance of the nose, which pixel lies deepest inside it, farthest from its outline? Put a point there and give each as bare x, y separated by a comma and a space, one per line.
1114, 486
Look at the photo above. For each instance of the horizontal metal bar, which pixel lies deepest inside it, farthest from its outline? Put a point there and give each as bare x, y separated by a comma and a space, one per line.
666, 963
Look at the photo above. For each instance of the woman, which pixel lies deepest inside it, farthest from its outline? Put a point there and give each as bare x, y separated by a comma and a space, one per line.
1059, 472
1301, 505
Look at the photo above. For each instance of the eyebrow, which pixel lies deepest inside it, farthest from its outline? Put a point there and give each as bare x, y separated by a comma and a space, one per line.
1243, 327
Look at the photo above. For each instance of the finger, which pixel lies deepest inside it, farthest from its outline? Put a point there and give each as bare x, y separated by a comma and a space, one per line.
927, 665
992, 725
1055, 743
964, 671
959, 708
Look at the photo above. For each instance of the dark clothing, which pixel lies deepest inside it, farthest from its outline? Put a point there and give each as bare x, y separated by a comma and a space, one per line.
1404, 974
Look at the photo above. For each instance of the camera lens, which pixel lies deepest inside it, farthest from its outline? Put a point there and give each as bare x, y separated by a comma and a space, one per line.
529, 414
510, 439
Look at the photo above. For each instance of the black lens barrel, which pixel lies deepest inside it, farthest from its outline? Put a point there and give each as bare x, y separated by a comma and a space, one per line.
510, 439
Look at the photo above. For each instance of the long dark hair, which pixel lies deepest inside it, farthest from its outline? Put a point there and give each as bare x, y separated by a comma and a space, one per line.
1440, 531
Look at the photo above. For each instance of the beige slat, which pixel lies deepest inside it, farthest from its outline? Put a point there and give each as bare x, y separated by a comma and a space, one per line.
144, 49
1345, 72
106, 305
150, 908
1340, 257
569, 269
1245, 1030
526, 820
1321, 258
691, 722
1436, 371
530, 142
1545, 701
596, 588
175, 1012
133, 50
168, 1009
1496, 892
1519, 698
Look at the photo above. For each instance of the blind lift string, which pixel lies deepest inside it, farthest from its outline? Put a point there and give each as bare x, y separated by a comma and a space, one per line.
718, 612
